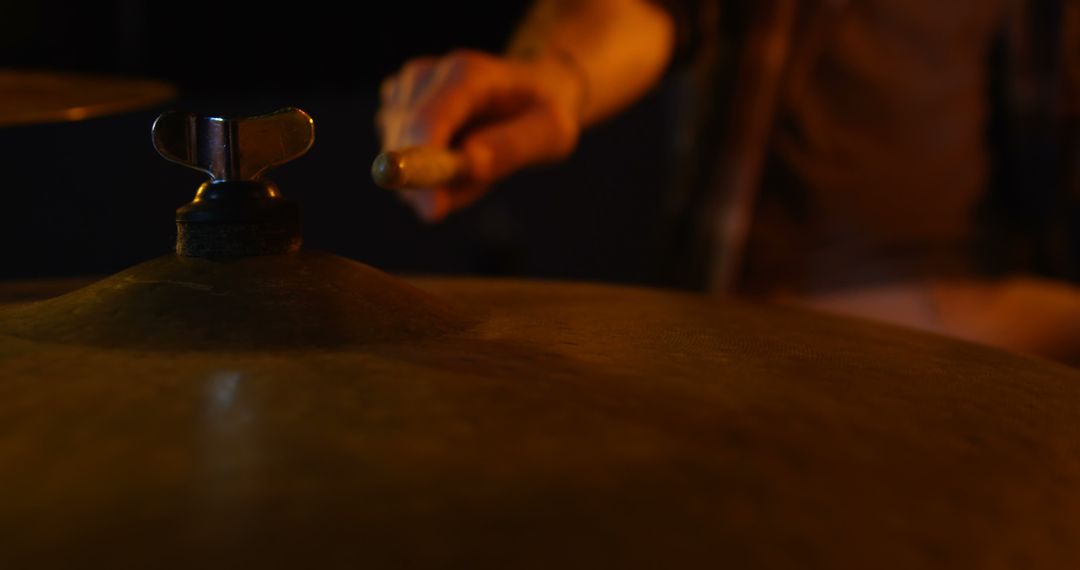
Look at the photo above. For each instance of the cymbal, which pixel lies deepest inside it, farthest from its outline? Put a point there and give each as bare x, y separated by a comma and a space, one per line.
246, 403
33, 97
516, 423
305, 300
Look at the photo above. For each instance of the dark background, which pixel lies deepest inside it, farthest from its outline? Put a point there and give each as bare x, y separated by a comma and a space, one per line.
93, 197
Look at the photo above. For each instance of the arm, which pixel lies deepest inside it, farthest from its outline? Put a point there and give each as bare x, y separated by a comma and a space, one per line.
618, 48
570, 64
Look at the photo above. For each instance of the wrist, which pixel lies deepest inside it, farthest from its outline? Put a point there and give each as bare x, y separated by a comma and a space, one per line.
578, 77
562, 73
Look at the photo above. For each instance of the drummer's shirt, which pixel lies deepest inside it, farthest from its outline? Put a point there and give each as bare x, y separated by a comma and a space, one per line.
879, 156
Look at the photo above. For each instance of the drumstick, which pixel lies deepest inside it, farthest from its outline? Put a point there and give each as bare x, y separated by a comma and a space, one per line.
417, 167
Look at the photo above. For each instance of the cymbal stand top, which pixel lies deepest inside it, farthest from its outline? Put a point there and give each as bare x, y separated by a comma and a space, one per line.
237, 213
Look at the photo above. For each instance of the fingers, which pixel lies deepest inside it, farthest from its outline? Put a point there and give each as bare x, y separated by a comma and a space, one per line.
414, 74
502, 113
430, 100
398, 95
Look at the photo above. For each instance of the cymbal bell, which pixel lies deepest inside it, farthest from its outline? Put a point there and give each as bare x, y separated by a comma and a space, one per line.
29, 97
303, 300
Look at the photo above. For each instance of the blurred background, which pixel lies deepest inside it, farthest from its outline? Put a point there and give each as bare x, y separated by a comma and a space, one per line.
93, 197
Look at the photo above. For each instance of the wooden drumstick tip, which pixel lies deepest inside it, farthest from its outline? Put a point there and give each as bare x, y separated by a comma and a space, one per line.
417, 167
388, 170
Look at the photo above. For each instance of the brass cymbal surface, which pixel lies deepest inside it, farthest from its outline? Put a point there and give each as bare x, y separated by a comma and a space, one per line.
29, 97
537, 424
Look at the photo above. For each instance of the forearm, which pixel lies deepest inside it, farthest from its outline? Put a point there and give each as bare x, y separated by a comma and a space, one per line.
619, 48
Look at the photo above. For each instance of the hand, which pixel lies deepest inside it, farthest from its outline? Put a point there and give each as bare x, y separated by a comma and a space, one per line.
501, 114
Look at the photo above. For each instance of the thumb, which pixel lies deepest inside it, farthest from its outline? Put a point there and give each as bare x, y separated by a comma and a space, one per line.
430, 204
